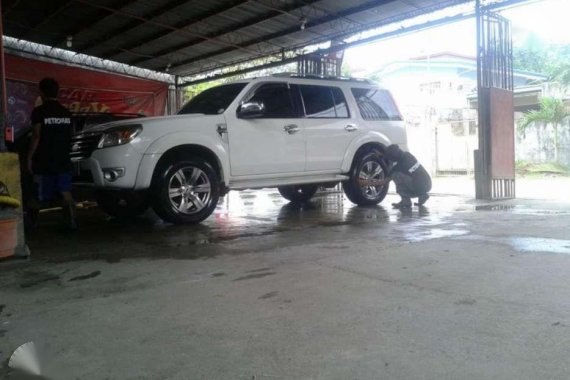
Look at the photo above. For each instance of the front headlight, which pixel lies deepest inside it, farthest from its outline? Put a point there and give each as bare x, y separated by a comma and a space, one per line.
119, 135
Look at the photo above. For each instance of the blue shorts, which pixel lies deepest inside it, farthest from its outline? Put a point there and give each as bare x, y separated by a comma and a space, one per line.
52, 185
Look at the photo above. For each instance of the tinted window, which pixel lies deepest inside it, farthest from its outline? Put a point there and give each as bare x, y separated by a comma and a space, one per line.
318, 101
276, 97
214, 100
376, 104
339, 103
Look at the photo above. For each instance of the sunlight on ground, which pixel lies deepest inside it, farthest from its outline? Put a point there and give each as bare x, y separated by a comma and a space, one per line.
547, 188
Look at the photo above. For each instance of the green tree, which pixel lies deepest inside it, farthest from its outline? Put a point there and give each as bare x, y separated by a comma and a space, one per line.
192, 91
553, 112
536, 55
562, 74
533, 55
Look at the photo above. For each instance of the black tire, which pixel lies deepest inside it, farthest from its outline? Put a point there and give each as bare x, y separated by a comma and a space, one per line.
298, 193
175, 197
123, 204
366, 195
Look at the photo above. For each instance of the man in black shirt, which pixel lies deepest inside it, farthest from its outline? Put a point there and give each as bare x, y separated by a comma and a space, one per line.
410, 177
48, 158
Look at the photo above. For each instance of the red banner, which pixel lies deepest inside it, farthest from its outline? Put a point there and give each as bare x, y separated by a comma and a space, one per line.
82, 90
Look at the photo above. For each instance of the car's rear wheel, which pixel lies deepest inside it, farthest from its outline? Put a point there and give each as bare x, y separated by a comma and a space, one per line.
186, 192
122, 204
369, 165
298, 193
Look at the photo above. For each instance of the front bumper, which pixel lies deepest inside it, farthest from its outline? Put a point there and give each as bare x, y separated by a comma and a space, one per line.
122, 158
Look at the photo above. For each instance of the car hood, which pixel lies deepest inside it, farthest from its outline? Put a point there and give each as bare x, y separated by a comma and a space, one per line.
154, 122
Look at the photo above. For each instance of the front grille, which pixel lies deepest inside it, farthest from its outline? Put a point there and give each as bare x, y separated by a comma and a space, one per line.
83, 145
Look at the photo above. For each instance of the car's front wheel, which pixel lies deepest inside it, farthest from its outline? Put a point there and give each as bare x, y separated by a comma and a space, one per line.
368, 166
298, 193
122, 204
186, 192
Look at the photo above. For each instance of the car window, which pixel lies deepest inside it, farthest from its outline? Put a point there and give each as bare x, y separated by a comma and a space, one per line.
376, 104
214, 100
324, 102
277, 100
340, 103
318, 100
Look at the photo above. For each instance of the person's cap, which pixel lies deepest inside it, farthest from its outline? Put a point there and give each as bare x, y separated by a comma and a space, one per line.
5, 198
393, 152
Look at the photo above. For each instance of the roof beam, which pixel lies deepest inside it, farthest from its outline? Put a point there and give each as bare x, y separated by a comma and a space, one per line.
132, 24
9, 9
348, 19
233, 28
47, 19
99, 16
165, 26
310, 24
293, 50
331, 49
183, 25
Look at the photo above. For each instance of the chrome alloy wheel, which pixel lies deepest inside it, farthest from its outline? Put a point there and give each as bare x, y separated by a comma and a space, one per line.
190, 190
371, 170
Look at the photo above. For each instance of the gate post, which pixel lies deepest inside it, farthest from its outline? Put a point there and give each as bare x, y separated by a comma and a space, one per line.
495, 158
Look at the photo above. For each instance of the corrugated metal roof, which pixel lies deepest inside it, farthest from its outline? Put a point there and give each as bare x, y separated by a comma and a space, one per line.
192, 37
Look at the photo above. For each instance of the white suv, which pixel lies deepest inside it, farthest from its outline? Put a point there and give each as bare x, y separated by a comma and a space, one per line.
293, 133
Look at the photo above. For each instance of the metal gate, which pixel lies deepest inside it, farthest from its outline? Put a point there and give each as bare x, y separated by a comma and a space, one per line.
495, 158
320, 65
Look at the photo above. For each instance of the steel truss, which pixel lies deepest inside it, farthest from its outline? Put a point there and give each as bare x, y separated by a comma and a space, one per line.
261, 53
442, 13
27, 48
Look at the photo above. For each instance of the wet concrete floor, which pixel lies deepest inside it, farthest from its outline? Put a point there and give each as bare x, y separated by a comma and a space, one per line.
265, 289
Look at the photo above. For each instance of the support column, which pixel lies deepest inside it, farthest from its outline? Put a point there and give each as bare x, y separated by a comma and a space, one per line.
494, 160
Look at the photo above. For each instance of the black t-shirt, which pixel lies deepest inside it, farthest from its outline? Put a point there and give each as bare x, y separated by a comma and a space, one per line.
52, 155
409, 165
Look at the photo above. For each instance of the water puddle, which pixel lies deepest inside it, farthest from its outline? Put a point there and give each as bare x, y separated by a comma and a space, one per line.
537, 212
524, 244
497, 207
521, 210
530, 244
434, 233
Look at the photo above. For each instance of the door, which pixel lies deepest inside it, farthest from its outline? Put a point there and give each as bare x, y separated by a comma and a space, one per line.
272, 143
328, 127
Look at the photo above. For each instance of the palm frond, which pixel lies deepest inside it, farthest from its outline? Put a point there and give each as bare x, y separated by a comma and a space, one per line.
552, 111
529, 120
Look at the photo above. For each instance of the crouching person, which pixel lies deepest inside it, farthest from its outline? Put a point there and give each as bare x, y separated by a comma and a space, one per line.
410, 177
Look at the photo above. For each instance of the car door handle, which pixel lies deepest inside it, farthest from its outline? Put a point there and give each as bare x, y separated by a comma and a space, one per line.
351, 128
291, 129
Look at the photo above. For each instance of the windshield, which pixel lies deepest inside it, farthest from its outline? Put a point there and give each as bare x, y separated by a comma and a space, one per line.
213, 101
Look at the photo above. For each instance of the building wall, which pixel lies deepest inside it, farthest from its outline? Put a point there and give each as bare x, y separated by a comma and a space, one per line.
537, 144
433, 95
442, 128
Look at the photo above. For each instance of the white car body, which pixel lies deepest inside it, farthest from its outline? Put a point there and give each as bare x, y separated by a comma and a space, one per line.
254, 153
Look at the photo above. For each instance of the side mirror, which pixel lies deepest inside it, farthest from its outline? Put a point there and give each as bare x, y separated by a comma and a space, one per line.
251, 110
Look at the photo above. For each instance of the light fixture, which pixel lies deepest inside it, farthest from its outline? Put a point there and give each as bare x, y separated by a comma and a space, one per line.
69, 42
303, 21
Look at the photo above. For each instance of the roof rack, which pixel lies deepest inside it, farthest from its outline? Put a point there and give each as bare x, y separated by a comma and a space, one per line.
321, 77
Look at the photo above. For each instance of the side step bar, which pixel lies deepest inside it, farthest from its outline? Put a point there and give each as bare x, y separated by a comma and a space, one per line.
274, 182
